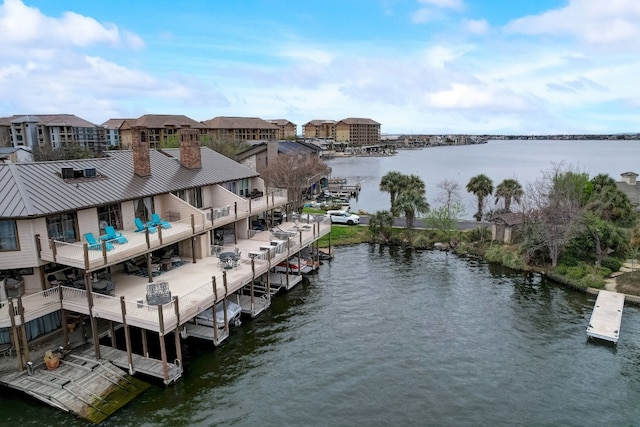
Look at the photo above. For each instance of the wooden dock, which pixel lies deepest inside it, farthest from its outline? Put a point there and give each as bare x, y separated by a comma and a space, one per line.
606, 316
89, 388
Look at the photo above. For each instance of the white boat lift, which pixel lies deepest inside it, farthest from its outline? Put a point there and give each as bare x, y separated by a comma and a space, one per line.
606, 316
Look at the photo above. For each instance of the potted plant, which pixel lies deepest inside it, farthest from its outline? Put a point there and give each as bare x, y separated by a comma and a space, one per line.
51, 359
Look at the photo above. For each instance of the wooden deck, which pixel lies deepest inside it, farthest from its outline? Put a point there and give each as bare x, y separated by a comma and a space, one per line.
606, 316
89, 388
204, 333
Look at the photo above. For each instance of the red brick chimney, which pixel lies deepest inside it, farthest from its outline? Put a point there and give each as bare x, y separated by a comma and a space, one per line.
140, 147
190, 148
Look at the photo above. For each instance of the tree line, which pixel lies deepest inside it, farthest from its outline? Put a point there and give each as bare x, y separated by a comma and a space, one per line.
565, 216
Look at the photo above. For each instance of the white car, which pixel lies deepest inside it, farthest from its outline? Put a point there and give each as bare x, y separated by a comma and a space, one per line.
343, 217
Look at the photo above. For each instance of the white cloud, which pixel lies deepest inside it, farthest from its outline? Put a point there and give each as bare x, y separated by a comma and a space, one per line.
448, 4
476, 26
22, 25
609, 24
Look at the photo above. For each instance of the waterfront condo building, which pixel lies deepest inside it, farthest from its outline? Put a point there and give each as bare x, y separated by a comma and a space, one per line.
141, 238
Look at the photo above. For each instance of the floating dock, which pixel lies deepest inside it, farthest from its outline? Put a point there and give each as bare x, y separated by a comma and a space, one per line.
606, 316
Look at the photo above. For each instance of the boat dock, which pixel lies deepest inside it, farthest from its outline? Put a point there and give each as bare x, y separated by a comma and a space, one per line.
606, 316
82, 385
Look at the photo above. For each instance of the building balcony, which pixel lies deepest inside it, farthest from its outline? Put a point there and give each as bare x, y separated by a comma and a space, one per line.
195, 286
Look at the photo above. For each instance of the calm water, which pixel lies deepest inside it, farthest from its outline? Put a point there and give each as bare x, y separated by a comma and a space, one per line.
499, 160
386, 337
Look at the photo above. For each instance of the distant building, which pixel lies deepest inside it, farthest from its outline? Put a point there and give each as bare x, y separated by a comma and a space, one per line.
286, 129
241, 129
319, 129
52, 131
160, 129
629, 186
357, 132
112, 132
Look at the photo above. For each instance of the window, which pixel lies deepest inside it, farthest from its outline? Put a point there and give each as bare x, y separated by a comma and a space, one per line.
243, 187
62, 227
8, 235
110, 215
144, 208
195, 197
180, 194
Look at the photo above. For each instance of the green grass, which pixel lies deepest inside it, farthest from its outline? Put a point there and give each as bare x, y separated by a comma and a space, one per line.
346, 235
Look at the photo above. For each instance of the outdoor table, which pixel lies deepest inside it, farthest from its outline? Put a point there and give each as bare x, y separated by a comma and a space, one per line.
6, 349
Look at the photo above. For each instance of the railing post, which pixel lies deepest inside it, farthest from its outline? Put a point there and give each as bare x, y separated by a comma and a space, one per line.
159, 228
163, 350
215, 300
127, 336
211, 210
85, 249
193, 224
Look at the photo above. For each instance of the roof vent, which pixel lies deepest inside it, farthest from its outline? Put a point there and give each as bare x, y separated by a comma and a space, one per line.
67, 173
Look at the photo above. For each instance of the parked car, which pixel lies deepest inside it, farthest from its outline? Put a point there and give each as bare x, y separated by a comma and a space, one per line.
343, 217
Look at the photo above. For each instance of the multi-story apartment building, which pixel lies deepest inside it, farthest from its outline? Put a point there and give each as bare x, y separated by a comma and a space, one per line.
357, 132
74, 236
112, 132
241, 129
52, 131
159, 129
319, 129
286, 128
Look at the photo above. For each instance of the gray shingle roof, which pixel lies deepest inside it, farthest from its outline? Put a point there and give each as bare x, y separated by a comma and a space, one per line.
37, 189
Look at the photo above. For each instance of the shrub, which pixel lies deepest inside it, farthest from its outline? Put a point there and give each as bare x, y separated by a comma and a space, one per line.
612, 264
576, 272
592, 281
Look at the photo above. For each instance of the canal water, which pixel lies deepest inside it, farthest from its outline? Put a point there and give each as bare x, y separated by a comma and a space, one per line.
524, 161
384, 337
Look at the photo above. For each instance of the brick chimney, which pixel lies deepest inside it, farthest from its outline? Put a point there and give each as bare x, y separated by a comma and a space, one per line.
140, 147
272, 150
190, 156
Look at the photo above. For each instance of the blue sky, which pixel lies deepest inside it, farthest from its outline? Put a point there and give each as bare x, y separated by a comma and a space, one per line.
415, 66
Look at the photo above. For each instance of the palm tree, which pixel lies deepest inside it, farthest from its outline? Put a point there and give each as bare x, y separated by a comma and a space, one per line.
481, 186
410, 202
392, 183
509, 190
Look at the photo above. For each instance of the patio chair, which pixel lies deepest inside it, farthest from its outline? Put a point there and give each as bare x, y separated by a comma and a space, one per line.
131, 267
53, 280
159, 222
113, 235
142, 227
94, 244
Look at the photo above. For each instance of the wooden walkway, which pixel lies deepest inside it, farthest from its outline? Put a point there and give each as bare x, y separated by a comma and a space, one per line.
89, 388
141, 364
606, 316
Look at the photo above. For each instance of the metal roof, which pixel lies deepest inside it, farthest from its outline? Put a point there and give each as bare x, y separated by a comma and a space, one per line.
37, 189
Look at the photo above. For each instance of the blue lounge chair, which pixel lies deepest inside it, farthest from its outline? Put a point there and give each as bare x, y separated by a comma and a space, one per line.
159, 222
94, 244
141, 227
113, 235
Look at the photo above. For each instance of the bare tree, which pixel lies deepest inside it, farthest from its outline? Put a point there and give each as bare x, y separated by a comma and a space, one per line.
295, 173
556, 202
226, 146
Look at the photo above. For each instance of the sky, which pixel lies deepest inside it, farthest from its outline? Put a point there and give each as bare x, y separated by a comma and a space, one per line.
415, 66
